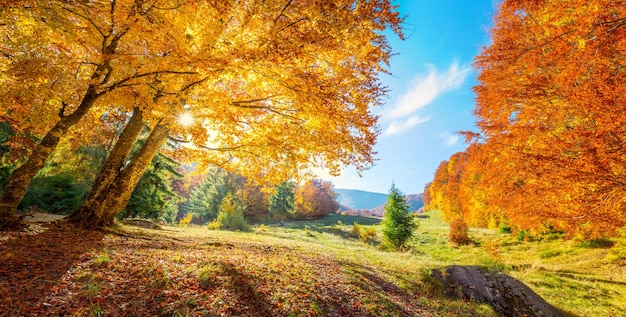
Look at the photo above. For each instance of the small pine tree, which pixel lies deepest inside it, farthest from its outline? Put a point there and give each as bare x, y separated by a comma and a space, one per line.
283, 201
398, 223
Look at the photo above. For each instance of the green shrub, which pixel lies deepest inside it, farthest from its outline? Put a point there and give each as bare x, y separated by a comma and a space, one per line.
524, 235
214, 225
364, 234
230, 215
600, 243
369, 234
356, 230
185, 221
504, 229
57, 194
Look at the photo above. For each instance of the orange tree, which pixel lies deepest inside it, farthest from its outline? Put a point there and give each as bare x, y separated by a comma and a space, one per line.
276, 87
315, 199
550, 105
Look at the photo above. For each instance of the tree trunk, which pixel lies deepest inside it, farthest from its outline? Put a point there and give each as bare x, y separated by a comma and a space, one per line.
113, 165
107, 200
21, 177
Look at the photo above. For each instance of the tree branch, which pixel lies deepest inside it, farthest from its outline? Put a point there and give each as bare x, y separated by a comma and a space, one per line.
62, 110
123, 81
283, 11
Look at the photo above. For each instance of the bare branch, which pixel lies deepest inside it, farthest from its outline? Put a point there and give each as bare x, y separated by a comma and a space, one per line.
282, 11
197, 82
85, 17
7, 55
243, 102
62, 110
294, 23
178, 5
125, 80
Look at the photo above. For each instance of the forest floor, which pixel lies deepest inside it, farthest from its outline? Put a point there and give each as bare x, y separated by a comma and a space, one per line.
312, 268
43, 217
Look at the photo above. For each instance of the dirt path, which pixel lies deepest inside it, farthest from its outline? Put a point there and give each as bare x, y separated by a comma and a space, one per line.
43, 217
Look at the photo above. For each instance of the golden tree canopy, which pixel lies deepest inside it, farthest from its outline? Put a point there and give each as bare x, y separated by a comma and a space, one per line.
275, 87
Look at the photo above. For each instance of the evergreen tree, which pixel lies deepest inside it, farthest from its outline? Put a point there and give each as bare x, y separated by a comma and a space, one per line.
398, 223
205, 200
153, 197
6, 167
283, 201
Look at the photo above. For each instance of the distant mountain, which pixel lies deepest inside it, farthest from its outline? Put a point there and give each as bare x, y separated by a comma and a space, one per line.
359, 202
359, 199
414, 201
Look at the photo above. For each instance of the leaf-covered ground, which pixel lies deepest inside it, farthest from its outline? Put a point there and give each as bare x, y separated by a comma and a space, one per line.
58, 270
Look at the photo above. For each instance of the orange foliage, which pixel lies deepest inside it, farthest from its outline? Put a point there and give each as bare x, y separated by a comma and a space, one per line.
550, 105
459, 232
445, 187
315, 199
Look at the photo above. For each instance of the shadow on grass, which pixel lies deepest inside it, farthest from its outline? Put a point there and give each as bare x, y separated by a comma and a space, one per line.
33, 262
566, 312
389, 296
247, 298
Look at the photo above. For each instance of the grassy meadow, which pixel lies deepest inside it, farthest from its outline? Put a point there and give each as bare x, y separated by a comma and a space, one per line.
311, 268
580, 278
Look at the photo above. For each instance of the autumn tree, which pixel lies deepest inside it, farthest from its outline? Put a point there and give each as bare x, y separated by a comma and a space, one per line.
315, 199
255, 201
550, 104
282, 202
426, 196
276, 88
477, 193
398, 223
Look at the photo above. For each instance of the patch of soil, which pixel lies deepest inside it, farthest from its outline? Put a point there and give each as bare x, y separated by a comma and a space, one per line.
42, 217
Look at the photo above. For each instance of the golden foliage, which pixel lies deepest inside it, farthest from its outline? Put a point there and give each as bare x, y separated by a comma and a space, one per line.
276, 88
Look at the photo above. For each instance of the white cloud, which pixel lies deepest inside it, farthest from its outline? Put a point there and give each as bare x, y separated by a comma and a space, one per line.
400, 126
422, 91
450, 138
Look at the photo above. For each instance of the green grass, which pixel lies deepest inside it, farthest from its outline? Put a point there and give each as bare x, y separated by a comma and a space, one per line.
580, 278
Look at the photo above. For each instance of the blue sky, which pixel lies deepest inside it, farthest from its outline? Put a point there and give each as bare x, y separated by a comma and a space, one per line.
430, 93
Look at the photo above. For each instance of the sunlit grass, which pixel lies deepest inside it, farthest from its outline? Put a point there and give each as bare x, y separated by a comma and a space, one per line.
580, 279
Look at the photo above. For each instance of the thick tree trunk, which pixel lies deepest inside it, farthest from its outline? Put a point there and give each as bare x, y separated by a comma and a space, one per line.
100, 207
112, 167
21, 177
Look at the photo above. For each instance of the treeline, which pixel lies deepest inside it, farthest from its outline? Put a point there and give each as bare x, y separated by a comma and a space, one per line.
550, 155
168, 192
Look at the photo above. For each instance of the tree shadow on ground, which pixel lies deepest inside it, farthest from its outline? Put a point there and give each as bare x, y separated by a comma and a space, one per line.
390, 296
250, 302
33, 262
